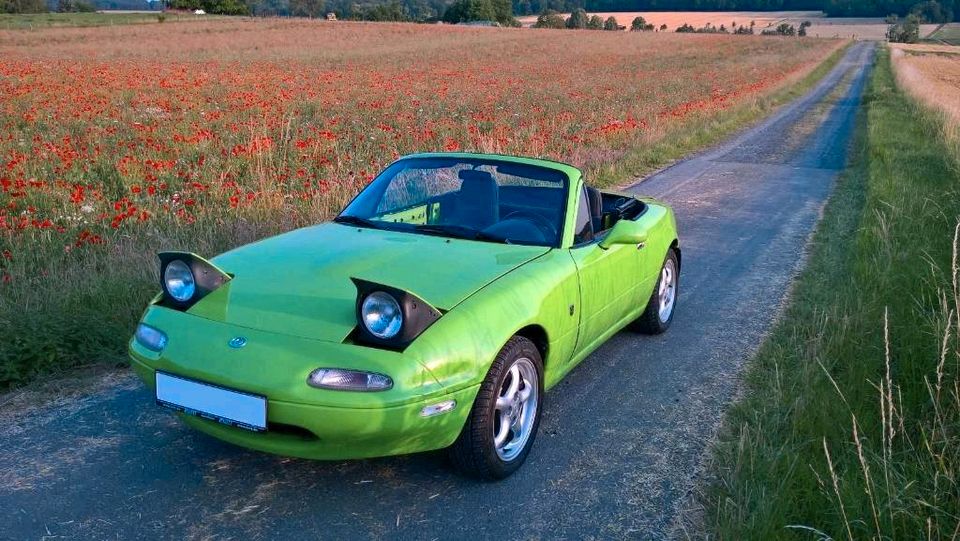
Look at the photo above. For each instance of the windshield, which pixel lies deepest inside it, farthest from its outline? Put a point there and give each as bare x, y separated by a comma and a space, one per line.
479, 199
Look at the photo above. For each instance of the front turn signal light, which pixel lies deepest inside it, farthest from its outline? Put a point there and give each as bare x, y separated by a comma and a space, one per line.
339, 379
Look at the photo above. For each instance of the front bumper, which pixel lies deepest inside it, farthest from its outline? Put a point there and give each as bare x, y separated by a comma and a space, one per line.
303, 421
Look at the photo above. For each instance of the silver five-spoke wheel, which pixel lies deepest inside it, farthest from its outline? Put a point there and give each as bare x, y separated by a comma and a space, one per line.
502, 426
516, 409
667, 292
662, 304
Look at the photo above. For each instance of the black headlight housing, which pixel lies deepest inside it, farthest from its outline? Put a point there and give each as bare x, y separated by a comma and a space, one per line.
417, 315
206, 278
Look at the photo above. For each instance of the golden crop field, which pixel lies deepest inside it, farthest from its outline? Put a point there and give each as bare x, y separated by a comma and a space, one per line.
861, 28
674, 19
121, 141
931, 74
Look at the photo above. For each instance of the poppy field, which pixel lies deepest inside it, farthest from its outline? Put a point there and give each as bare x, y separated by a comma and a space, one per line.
116, 142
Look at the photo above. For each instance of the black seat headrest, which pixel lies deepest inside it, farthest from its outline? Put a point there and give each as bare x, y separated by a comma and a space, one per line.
468, 175
596, 202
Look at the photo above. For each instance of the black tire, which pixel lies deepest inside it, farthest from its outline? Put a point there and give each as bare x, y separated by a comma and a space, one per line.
475, 453
650, 321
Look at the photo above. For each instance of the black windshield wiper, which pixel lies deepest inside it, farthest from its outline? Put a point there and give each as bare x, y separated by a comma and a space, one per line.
459, 231
491, 238
356, 220
456, 231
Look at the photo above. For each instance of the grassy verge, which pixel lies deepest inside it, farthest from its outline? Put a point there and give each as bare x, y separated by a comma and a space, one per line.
698, 136
849, 426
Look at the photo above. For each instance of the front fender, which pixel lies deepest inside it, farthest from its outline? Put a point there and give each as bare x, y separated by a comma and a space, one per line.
459, 348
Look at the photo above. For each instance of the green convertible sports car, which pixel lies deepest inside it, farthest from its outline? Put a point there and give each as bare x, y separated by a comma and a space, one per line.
433, 312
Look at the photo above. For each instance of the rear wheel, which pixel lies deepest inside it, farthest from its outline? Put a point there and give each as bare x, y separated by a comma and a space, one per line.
658, 315
505, 417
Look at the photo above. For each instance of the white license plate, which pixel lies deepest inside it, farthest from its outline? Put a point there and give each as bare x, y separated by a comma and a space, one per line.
232, 408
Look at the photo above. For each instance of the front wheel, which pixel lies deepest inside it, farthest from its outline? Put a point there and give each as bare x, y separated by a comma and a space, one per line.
658, 315
503, 423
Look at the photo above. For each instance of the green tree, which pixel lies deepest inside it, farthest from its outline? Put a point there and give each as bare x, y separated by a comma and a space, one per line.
932, 11
462, 11
23, 6
595, 22
578, 19
611, 23
308, 8
550, 19
639, 24
906, 31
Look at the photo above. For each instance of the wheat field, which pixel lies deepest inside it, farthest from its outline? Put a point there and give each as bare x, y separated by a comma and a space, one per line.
931, 74
859, 28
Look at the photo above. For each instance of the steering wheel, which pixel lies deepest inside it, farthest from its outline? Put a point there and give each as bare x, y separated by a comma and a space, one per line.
541, 223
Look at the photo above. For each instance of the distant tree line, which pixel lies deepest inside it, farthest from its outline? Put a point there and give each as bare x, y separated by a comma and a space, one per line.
932, 10
23, 6
578, 20
502, 11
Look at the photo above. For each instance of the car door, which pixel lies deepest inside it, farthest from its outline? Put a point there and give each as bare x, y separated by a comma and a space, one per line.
608, 279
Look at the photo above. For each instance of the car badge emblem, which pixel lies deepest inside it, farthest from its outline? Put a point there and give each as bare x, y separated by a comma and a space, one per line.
237, 342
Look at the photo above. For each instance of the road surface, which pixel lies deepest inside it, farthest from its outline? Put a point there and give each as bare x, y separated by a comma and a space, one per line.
622, 438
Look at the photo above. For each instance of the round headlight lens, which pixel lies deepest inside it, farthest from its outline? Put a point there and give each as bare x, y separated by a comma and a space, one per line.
179, 281
381, 315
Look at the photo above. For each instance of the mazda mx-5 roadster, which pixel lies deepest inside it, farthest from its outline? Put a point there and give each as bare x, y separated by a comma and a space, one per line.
433, 312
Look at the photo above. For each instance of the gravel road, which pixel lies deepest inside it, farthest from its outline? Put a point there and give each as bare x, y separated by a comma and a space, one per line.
622, 439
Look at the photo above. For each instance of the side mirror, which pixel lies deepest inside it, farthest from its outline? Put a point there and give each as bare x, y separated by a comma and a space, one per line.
625, 232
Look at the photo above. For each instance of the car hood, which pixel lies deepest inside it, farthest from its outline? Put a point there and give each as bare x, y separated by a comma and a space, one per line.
299, 283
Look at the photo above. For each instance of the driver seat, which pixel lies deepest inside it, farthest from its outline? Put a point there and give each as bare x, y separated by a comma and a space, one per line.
478, 202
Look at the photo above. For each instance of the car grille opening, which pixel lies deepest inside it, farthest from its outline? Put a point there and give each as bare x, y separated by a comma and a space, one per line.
291, 430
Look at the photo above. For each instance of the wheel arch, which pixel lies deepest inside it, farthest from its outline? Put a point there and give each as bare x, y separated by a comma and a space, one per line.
675, 246
538, 335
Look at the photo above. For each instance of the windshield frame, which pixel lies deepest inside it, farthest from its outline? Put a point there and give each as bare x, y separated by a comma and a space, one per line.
568, 182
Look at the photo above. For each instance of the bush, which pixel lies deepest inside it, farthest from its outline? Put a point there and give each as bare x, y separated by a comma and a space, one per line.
550, 19
784, 29
595, 23
639, 24
577, 20
611, 24
907, 31
708, 29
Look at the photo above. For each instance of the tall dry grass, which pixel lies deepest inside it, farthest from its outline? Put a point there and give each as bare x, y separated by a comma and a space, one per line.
931, 74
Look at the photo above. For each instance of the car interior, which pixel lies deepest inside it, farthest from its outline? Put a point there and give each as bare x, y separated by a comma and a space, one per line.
606, 209
530, 211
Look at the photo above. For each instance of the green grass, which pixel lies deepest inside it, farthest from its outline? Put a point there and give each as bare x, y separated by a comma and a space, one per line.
698, 136
827, 380
47, 20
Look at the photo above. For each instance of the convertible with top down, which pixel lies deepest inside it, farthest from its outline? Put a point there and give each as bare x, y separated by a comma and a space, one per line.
432, 312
